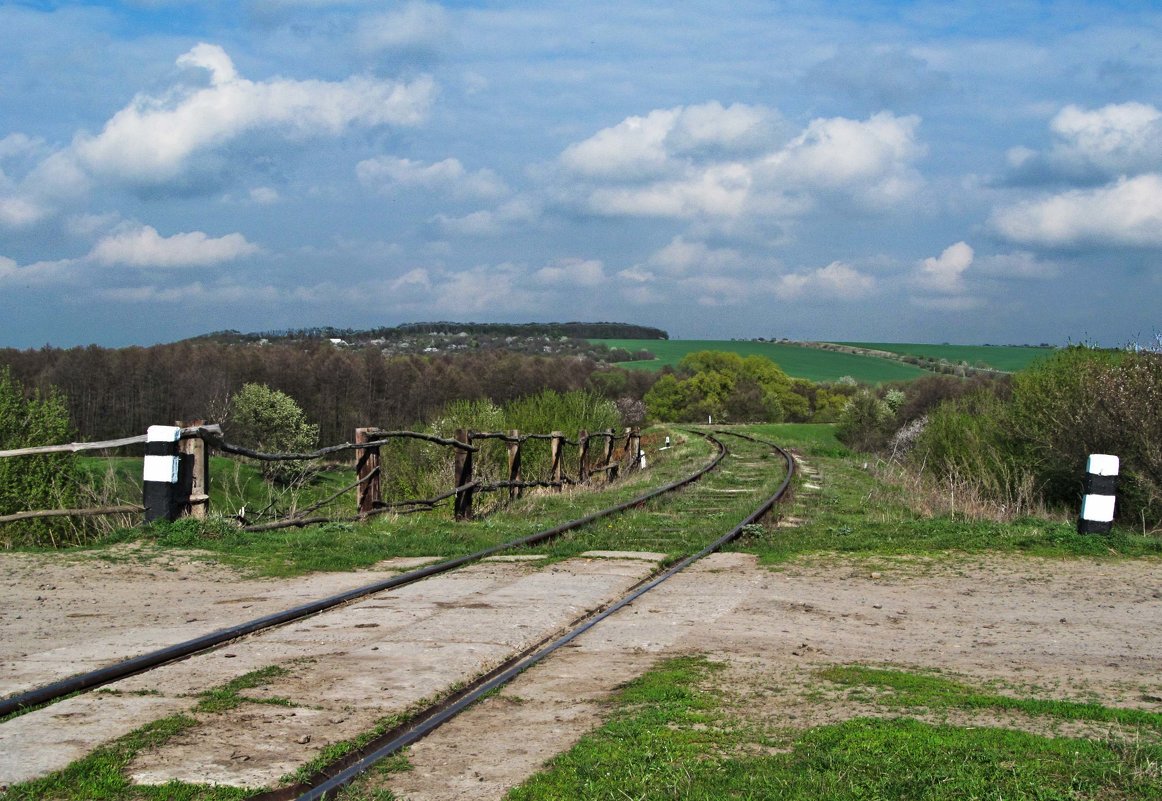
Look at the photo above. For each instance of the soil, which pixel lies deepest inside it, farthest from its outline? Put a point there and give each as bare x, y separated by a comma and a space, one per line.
1054, 628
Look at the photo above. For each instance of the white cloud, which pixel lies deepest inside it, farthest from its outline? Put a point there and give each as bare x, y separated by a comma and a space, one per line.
721, 163
417, 25
872, 158
448, 175
646, 146
945, 273
488, 222
1117, 139
144, 247
153, 139
1018, 264
572, 272
264, 195
681, 256
720, 190
20, 212
1127, 213
836, 280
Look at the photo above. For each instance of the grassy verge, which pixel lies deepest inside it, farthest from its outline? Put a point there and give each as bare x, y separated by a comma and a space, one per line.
668, 737
856, 511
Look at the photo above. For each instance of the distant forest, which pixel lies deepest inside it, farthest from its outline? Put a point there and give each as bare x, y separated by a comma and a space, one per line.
119, 392
391, 333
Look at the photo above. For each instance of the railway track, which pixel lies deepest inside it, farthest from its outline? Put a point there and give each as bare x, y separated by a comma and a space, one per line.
731, 481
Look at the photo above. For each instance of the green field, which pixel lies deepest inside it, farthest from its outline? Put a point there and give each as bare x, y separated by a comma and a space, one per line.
796, 361
1009, 358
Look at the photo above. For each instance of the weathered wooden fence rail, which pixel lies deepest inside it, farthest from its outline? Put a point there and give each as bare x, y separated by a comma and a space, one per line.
177, 480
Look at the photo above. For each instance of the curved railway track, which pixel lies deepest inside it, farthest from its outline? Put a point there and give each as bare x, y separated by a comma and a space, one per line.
328, 781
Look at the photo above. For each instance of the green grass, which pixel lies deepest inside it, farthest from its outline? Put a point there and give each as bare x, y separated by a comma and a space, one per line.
668, 738
101, 776
854, 512
799, 362
1010, 358
904, 689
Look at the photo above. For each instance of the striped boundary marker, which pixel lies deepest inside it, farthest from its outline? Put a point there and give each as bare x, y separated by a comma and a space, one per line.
160, 473
1097, 507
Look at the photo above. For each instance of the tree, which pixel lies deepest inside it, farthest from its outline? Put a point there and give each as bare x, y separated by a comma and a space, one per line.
33, 482
272, 422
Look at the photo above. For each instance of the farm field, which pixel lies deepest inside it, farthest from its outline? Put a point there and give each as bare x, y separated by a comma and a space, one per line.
1009, 358
798, 362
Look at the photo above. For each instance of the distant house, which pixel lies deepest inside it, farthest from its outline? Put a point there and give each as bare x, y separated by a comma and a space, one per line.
338, 342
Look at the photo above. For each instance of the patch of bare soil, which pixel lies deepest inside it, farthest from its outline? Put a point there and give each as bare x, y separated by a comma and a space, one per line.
1067, 629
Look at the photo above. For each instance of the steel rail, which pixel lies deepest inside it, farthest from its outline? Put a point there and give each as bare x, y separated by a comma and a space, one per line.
328, 782
143, 662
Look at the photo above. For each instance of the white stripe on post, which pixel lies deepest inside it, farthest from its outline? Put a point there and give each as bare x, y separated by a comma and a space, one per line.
1097, 507
160, 472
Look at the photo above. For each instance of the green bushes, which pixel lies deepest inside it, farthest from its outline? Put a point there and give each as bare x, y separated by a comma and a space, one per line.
1079, 401
34, 482
272, 422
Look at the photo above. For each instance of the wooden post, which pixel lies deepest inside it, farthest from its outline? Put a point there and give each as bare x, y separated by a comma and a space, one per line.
556, 446
611, 473
633, 446
514, 465
194, 475
583, 458
462, 506
367, 462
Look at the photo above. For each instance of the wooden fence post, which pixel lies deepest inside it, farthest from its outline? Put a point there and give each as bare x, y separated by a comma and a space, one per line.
367, 463
462, 507
514, 465
583, 458
556, 446
194, 475
611, 471
633, 447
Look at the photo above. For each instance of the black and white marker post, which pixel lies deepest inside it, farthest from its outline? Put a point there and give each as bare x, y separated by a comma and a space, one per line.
161, 473
1097, 507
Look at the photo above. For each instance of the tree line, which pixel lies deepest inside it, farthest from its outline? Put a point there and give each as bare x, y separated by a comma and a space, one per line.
117, 392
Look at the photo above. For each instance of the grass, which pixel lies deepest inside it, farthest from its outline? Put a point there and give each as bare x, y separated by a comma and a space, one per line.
101, 775
669, 737
799, 362
855, 511
1010, 358
904, 689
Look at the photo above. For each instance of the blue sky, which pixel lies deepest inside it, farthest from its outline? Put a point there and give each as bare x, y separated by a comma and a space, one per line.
963, 172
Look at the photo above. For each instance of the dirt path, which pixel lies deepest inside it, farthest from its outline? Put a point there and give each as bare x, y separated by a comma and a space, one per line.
1061, 628
1073, 628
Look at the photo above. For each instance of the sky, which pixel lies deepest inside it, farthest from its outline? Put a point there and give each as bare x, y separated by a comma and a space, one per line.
985, 172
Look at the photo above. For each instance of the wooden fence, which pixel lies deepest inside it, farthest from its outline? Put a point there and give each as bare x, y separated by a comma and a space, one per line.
181, 488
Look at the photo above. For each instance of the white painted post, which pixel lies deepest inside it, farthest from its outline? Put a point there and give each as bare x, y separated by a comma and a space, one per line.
1097, 507
641, 457
160, 473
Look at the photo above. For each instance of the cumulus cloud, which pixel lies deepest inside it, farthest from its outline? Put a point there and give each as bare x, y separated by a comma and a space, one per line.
490, 222
681, 256
711, 161
449, 175
145, 247
647, 146
870, 157
1127, 213
835, 281
153, 139
1118, 139
945, 273
571, 273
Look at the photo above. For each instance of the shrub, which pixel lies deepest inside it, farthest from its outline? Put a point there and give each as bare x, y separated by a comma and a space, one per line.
866, 422
270, 421
34, 482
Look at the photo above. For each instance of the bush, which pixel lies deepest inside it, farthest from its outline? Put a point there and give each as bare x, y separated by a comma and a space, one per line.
866, 422
270, 421
34, 482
